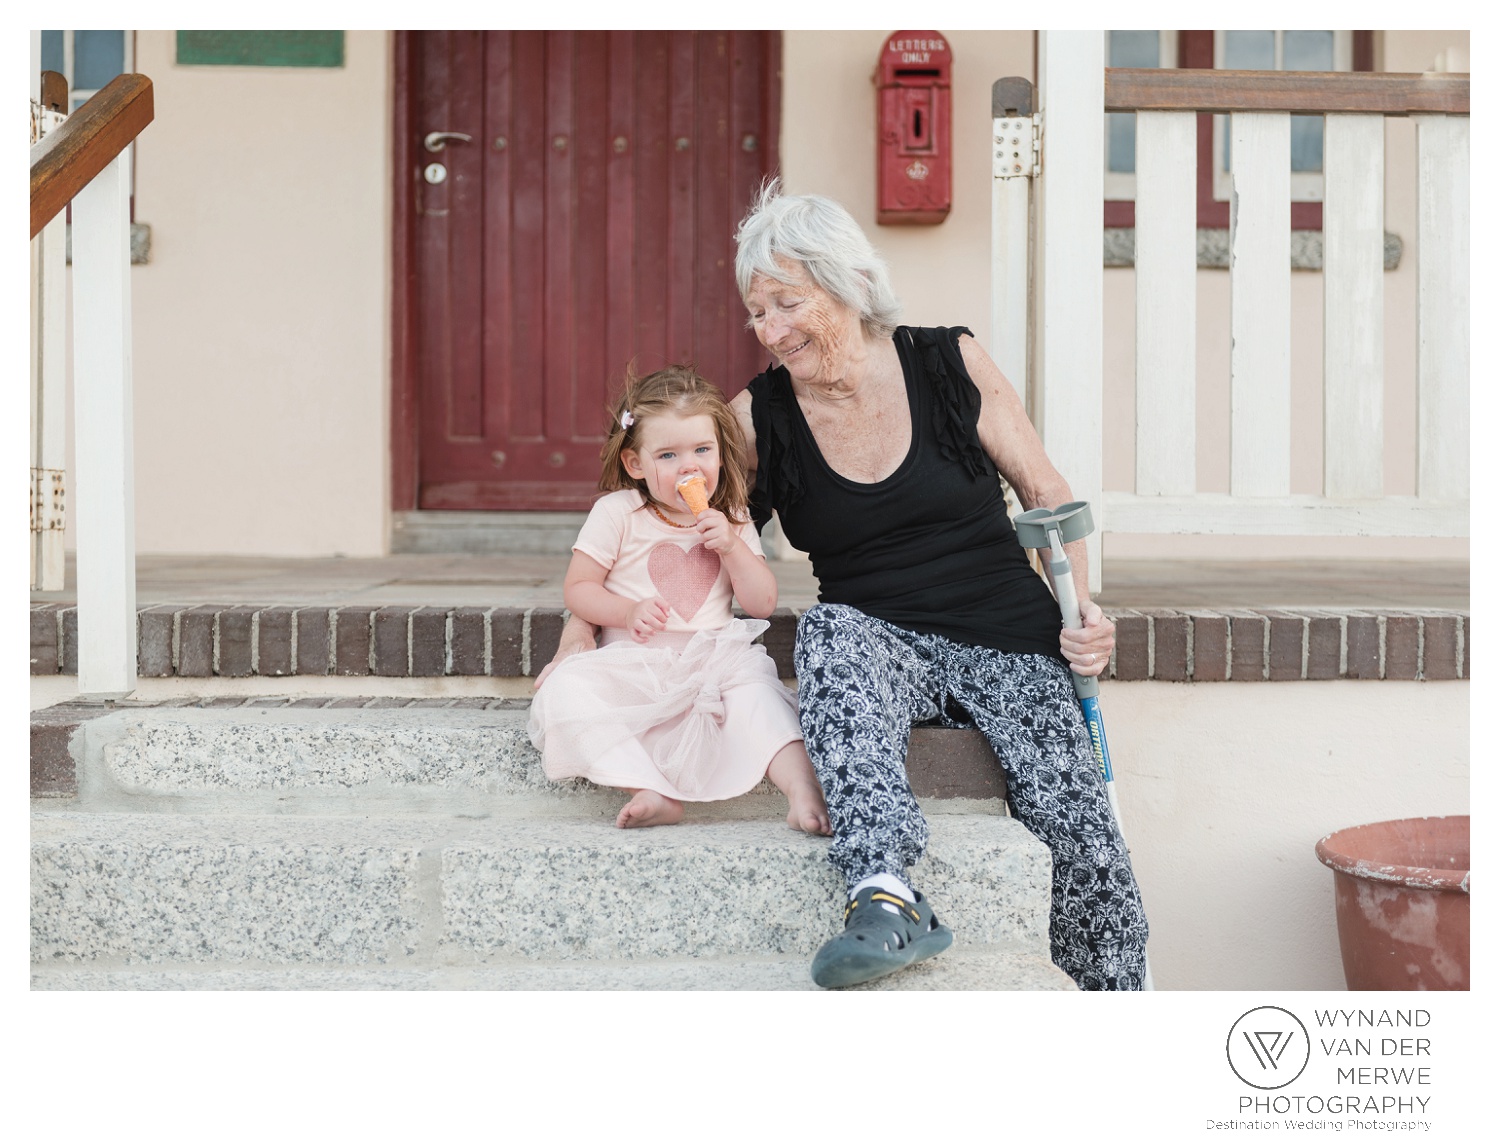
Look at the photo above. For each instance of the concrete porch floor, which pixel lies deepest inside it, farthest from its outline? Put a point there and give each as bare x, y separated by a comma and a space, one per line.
536, 580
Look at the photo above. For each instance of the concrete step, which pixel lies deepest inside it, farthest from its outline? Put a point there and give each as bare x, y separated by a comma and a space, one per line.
258, 759
116, 889
354, 760
508, 533
962, 968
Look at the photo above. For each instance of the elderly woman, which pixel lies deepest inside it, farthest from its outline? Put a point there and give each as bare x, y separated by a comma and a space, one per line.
879, 446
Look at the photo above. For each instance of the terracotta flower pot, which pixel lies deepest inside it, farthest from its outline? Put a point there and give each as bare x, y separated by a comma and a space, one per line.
1401, 891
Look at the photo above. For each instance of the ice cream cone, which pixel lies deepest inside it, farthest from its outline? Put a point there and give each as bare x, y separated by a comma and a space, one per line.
694, 492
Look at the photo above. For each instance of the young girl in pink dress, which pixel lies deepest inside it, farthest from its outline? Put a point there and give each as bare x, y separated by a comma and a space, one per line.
678, 703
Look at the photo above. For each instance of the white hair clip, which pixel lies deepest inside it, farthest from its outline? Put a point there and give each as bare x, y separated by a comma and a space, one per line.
626, 419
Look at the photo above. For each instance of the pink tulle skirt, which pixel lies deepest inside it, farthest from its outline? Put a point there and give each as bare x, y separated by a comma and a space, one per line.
693, 717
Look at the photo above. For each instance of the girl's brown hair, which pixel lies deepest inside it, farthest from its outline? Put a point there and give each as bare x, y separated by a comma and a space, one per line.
679, 391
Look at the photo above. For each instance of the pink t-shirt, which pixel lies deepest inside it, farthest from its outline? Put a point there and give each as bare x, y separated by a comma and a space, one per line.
646, 557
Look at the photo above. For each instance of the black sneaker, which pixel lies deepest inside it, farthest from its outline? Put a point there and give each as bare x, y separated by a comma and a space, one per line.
877, 941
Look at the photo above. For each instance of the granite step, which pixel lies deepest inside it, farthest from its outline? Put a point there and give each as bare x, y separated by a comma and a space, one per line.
994, 967
283, 756
111, 890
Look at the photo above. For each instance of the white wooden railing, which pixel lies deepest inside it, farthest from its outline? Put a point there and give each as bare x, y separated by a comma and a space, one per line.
85, 160
49, 364
1066, 365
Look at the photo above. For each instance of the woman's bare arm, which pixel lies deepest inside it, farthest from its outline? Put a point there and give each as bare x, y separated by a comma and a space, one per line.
740, 405
577, 636
1007, 435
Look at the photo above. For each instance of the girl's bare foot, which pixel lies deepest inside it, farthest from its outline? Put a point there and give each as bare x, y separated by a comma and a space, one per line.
647, 808
792, 772
808, 813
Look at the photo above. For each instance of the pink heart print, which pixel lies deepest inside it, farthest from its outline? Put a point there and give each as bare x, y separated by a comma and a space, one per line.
683, 577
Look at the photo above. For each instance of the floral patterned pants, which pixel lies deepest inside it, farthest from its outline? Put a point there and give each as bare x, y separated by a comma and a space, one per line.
862, 683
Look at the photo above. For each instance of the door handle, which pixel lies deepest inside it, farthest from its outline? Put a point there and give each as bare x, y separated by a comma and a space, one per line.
437, 140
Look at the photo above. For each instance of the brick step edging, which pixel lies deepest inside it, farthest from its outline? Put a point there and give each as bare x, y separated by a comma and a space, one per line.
1272, 644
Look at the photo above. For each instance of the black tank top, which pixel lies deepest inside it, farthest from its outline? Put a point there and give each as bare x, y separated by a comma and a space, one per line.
929, 548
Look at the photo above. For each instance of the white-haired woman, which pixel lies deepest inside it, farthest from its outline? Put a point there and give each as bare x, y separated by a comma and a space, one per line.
878, 445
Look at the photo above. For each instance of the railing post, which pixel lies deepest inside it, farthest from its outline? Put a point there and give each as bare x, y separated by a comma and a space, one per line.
49, 405
104, 464
1071, 243
1354, 306
1260, 306
49, 372
1166, 303
1013, 158
1442, 306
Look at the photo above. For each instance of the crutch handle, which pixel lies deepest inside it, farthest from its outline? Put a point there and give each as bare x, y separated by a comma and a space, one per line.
1047, 529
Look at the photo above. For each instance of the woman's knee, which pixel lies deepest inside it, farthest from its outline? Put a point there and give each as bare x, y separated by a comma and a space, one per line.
837, 633
824, 620
819, 636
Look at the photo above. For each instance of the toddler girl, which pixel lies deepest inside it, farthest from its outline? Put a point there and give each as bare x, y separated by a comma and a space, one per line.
677, 704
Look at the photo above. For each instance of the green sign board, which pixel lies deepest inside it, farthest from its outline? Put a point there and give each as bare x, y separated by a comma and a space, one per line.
262, 49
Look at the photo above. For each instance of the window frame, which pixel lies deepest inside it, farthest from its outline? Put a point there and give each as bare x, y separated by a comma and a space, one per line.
1195, 49
75, 97
1307, 186
1121, 184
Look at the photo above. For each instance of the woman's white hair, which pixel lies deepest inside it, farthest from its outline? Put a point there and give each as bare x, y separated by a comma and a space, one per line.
821, 236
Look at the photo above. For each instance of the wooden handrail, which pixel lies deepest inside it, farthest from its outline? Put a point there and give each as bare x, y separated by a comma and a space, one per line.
1297, 92
67, 160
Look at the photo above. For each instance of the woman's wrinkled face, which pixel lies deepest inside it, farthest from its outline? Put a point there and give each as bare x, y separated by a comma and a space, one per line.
811, 334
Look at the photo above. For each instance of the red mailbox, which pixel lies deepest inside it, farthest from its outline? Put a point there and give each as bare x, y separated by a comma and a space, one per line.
914, 176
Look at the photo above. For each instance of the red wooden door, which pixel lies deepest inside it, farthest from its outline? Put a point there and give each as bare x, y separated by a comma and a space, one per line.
588, 221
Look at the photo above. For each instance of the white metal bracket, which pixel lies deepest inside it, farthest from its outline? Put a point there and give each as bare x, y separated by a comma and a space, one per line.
1018, 147
49, 511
